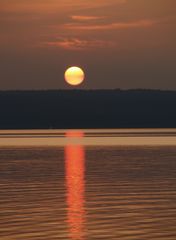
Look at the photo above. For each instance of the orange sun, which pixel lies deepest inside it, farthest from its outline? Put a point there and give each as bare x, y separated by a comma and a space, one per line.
74, 76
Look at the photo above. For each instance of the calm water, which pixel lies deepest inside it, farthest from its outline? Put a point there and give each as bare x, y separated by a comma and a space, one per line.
78, 185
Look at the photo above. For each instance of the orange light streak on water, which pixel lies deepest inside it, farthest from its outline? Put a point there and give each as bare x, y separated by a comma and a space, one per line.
75, 169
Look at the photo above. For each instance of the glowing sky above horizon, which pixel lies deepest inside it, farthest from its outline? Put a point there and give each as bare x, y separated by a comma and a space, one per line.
119, 43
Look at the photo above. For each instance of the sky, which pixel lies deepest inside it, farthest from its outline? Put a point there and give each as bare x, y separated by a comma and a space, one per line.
119, 43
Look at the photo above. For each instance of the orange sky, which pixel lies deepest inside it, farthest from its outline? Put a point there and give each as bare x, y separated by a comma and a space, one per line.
120, 43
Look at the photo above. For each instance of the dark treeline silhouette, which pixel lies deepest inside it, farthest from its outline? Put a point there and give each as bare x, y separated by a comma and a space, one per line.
87, 109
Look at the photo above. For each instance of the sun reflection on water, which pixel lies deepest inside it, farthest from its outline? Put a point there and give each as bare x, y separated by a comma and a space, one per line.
75, 183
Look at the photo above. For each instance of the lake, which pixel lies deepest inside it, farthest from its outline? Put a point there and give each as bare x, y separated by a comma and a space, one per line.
88, 184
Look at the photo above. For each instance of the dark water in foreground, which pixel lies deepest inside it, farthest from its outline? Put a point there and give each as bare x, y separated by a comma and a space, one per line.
88, 190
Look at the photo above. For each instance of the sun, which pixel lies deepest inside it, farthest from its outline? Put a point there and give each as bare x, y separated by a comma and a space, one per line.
74, 76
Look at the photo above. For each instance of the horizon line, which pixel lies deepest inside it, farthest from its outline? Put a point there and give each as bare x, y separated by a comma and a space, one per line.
86, 90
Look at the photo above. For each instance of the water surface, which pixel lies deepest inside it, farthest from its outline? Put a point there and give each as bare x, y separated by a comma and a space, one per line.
96, 184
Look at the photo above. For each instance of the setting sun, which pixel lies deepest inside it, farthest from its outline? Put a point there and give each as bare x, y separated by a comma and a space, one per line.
74, 76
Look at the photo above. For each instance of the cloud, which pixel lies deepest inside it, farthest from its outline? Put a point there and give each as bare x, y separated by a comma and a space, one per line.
112, 26
85, 18
80, 44
45, 6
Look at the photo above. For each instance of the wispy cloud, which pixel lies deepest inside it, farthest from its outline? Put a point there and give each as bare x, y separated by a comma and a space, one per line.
80, 44
45, 6
111, 26
85, 18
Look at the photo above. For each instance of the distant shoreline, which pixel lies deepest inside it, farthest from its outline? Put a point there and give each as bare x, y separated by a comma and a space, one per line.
87, 109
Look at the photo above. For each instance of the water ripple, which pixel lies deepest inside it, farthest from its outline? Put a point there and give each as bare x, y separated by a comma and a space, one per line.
125, 193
